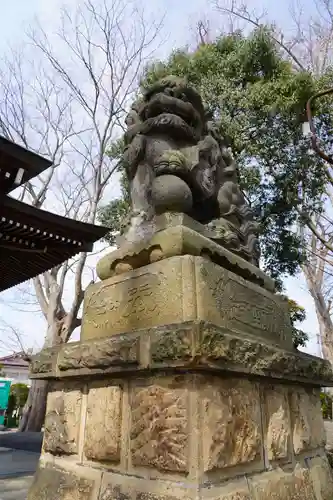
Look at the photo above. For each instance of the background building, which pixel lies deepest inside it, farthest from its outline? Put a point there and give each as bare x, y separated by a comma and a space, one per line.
15, 368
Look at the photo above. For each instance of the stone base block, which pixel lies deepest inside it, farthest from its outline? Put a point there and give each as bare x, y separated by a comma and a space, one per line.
192, 346
185, 385
184, 288
69, 482
58, 483
176, 436
178, 235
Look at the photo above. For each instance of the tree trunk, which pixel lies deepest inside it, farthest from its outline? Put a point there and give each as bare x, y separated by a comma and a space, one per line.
34, 410
326, 334
322, 307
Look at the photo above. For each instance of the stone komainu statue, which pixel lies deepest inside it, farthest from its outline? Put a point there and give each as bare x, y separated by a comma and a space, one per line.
176, 161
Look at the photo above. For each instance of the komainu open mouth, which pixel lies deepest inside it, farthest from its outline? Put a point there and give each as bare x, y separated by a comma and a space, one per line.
162, 103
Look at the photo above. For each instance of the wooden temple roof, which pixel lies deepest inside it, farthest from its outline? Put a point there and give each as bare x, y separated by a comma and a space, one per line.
18, 165
32, 240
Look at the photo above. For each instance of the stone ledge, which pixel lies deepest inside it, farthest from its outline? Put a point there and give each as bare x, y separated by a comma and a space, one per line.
174, 241
53, 483
45, 361
119, 351
312, 481
195, 346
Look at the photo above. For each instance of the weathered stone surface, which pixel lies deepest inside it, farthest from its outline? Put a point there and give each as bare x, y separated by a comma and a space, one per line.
225, 299
56, 484
321, 475
103, 424
174, 343
329, 456
279, 485
231, 426
136, 486
170, 141
235, 495
45, 361
146, 297
277, 422
307, 421
159, 430
181, 289
170, 193
177, 236
249, 355
103, 354
235, 490
151, 496
190, 344
111, 492
62, 422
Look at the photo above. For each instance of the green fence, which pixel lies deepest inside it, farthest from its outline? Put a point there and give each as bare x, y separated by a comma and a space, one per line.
4, 395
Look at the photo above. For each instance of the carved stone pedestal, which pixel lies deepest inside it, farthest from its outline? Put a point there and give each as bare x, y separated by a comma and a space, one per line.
184, 385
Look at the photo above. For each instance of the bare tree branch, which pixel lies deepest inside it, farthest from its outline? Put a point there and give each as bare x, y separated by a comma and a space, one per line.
240, 10
66, 99
308, 44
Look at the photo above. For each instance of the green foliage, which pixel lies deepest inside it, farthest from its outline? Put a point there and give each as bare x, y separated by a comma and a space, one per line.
326, 405
297, 315
258, 102
11, 404
19, 392
116, 212
113, 216
17, 398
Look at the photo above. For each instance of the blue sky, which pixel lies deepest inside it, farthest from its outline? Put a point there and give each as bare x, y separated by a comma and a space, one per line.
16, 16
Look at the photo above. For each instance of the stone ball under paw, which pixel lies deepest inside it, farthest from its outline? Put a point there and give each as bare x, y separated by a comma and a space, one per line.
171, 194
